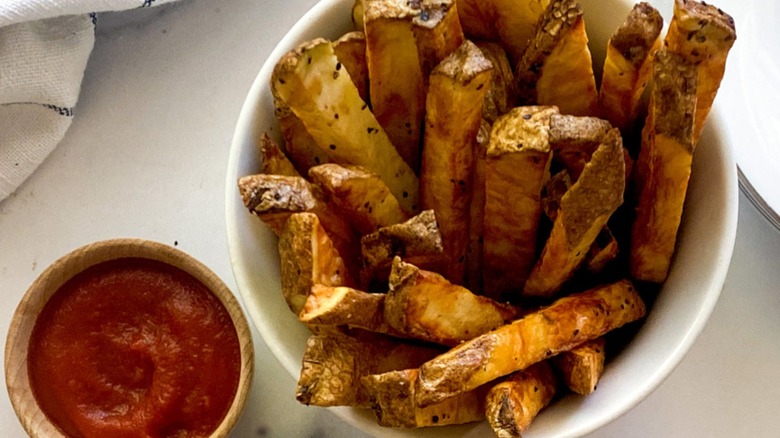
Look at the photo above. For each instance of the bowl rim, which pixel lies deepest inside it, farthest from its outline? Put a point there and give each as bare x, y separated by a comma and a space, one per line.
32, 418
726, 167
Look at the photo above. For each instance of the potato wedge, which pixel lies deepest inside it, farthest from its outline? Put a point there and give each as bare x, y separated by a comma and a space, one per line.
357, 15
438, 33
308, 257
345, 306
516, 167
424, 305
362, 197
627, 66
477, 211
322, 95
574, 139
703, 35
511, 406
273, 161
500, 96
350, 50
509, 21
584, 211
391, 398
568, 322
582, 367
417, 240
299, 145
556, 68
453, 116
663, 168
333, 365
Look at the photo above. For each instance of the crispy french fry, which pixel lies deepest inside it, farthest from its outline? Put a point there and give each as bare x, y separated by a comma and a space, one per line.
663, 168
341, 305
308, 257
582, 367
703, 35
424, 305
391, 396
500, 96
299, 145
272, 158
350, 50
333, 365
418, 240
516, 167
584, 210
438, 33
627, 66
556, 68
568, 322
574, 139
362, 197
511, 406
453, 117
322, 95
477, 211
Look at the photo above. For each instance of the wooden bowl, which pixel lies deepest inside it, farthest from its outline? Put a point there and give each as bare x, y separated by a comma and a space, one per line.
34, 421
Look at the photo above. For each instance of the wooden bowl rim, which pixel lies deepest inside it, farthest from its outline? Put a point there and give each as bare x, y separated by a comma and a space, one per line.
34, 421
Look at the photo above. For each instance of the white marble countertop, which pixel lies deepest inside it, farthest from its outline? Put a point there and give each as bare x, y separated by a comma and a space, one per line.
146, 157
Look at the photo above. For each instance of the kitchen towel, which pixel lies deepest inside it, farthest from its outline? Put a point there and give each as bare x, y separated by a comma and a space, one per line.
44, 47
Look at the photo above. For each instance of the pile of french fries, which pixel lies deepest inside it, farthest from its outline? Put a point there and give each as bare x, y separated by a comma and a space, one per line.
460, 222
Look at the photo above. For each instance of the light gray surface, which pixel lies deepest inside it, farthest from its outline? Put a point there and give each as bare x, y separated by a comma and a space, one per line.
146, 157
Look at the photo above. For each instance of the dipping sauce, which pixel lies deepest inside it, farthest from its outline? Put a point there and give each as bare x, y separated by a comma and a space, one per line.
134, 348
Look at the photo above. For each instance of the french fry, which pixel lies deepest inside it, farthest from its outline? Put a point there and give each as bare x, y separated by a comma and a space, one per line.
477, 211
438, 33
334, 364
511, 406
556, 67
322, 95
350, 50
308, 257
453, 116
299, 145
582, 367
341, 305
417, 240
574, 139
272, 158
510, 21
500, 96
391, 396
627, 66
362, 197
663, 168
424, 305
568, 322
357, 15
703, 35
516, 167
584, 210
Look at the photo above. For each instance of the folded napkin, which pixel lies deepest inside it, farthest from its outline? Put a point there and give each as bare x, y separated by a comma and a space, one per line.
44, 47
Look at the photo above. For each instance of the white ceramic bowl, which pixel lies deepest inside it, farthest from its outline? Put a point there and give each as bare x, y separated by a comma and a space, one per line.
680, 312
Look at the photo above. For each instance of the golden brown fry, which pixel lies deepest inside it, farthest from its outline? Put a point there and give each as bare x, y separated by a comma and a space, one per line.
298, 143
308, 257
391, 397
417, 240
562, 326
350, 50
438, 33
357, 15
584, 210
333, 365
272, 159
477, 211
703, 35
627, 66
511, 406
453, 116
556, 68
500, 96
517, 164
341, 305
581, 367
424, 305
362, 197
323, 96
574, 139
664, 166
510, 21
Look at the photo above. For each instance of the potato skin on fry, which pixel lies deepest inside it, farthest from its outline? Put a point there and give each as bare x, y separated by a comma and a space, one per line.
341, 305
573, 140
500, 96
350, 50
424, 305
562, 326
511, 406
582, 367
273, 160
